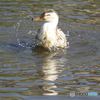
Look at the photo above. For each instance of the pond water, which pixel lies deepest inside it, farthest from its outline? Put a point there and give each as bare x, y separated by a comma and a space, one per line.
25, 73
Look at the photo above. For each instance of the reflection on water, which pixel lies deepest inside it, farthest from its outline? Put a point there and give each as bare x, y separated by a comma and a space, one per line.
49, 71
25, 73
50, 75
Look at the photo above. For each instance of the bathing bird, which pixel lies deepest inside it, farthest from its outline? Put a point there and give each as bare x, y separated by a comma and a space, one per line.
49, 36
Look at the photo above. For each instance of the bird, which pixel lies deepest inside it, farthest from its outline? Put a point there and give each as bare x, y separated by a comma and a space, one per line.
49, 36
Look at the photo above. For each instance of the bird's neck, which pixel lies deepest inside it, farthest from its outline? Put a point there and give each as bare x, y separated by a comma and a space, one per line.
50, 26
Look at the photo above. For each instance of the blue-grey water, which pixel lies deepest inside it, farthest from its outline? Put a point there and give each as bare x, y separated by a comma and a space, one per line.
74, 71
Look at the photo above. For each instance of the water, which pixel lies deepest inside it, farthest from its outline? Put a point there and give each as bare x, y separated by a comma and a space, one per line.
25, 73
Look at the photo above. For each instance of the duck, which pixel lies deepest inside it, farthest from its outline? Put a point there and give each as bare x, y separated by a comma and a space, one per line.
49, 36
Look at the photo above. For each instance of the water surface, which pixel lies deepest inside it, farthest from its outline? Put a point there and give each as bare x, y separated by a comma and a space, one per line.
25, 73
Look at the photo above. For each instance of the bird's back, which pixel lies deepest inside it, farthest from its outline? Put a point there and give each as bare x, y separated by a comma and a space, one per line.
61, 39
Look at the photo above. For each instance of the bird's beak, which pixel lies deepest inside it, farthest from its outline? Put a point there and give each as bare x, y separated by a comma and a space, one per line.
39, 18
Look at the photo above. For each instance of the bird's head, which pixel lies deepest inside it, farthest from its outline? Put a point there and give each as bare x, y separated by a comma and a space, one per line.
48, 15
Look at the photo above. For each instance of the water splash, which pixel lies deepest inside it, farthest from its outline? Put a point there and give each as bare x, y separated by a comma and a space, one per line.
24, 32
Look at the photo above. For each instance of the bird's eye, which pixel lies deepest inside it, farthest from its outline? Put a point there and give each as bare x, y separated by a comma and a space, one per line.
48, 15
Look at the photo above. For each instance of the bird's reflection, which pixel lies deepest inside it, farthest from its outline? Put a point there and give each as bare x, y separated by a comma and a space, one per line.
48, 69
50, 75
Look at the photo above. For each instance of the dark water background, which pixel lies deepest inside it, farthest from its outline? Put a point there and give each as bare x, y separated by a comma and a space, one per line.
25, 73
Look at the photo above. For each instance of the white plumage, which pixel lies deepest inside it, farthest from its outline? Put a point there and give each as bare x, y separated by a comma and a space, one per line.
49, 35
